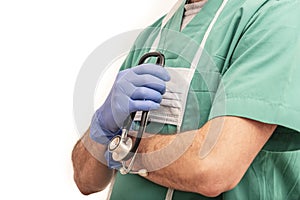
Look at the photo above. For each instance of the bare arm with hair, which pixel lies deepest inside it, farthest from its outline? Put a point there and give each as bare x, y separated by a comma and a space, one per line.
90, 172
220, 169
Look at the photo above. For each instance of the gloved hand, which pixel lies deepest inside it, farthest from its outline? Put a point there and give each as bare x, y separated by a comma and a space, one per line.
136, 89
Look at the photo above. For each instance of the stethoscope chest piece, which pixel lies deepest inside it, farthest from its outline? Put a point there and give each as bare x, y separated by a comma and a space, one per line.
120, 148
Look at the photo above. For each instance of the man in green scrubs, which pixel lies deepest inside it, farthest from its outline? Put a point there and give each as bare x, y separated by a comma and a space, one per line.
244, 142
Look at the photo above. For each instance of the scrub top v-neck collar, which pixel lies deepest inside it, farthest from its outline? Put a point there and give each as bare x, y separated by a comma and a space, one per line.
202, 19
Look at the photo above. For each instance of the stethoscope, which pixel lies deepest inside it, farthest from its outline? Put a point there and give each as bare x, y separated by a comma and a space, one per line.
122, 146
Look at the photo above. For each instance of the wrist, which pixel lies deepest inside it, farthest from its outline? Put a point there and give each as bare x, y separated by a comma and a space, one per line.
96, 149
99, 134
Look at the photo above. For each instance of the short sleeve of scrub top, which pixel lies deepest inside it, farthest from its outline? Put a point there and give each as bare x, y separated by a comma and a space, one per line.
262, 81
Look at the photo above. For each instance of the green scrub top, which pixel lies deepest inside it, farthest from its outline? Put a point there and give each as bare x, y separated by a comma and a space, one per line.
250, 68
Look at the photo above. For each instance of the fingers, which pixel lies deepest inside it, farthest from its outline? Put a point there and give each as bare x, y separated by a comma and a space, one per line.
141, 105
146, 75
144, 93
142, 87
152, 69
149, 81
140, 99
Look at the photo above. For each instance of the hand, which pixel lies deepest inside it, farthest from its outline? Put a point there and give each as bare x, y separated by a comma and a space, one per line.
136, 89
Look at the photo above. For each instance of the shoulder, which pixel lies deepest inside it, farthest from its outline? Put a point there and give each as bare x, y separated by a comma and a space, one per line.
273, 8
252, 8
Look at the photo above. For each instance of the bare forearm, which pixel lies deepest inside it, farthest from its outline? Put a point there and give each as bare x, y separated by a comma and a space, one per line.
90, 172
174, 160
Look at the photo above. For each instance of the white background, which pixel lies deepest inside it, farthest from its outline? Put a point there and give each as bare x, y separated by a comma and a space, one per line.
43, 45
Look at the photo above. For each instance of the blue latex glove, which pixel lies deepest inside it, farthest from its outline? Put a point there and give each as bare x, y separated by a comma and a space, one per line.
111, 163
136, 89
